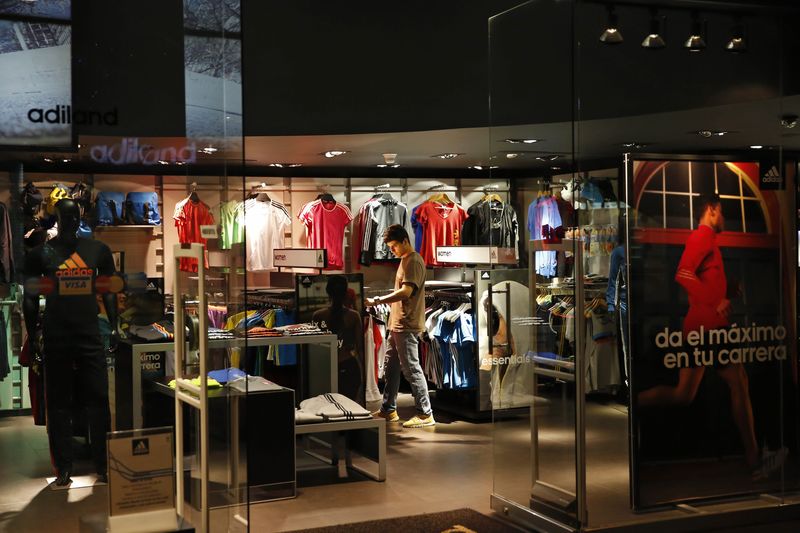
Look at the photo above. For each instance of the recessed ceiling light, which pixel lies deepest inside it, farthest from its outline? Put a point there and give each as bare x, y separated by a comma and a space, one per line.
162, 162
285, 165
481, 167
449, 155
209, 150
711, 133
555, 168
756, 146
522, 141
334, 153
384, 165
66, 160
48, 160
634, 144
511, 155
547, 157
180, 163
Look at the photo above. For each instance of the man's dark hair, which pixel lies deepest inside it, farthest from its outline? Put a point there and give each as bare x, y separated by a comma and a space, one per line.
705, 201
395, 232
336, 288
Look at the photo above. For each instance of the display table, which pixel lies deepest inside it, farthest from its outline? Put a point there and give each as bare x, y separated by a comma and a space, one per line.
366, 437
322, 375
255, 452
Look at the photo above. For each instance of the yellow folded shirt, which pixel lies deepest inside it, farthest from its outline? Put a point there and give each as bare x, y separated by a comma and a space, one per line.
211, 383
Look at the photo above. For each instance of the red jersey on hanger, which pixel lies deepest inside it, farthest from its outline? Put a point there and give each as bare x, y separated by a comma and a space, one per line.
188, 219
325, 223
441, 226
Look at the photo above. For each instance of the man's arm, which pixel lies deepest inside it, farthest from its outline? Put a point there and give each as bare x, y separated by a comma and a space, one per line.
398, 295
697, 249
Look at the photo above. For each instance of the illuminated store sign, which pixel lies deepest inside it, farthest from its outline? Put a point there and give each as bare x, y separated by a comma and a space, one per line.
129, 152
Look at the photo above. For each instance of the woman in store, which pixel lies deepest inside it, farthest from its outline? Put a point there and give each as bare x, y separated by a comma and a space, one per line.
346, 324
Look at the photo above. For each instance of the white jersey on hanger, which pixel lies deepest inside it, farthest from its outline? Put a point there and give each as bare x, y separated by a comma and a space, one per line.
265, 225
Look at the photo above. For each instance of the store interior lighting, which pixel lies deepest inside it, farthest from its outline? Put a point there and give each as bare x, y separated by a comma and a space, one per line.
449, 155
654, 39
334, 153
737, 44
696, 41
522, 141
611, 34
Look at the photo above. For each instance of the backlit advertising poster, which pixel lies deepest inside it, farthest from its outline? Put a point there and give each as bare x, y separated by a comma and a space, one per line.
713, 355
36, 85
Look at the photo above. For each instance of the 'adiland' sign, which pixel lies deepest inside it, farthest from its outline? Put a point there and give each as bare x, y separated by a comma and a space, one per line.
63, 114
129, 152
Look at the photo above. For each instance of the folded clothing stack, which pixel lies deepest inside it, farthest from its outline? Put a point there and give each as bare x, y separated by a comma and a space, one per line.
301, 329
330, 407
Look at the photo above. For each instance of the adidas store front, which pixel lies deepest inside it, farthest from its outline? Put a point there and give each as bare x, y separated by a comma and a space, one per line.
608, 286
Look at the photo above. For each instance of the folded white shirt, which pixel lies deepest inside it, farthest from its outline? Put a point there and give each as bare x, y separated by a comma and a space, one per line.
334, 407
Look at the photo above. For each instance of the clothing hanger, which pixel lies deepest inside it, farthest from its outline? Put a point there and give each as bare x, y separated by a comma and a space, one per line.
193, 196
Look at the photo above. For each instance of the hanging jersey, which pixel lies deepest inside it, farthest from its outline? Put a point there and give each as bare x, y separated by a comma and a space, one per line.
188, 220
266, 225
231, 230
442, 225
325, 223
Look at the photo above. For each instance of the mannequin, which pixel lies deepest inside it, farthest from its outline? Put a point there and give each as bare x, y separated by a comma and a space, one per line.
72, 348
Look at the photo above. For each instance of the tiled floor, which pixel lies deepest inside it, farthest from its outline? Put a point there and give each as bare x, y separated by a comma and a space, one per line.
452, 465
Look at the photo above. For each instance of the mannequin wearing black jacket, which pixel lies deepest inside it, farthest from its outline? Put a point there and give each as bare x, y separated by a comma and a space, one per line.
72, 347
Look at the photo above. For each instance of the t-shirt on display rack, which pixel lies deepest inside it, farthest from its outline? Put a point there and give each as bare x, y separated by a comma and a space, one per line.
242, 226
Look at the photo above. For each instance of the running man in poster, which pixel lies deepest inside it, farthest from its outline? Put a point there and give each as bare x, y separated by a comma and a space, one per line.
701, 273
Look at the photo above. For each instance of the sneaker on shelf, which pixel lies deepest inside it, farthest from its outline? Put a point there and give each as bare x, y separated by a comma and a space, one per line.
389, 416
770, 462
420, 422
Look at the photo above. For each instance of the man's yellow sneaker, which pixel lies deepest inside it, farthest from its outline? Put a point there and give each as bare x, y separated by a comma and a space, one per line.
420, 422
389, 416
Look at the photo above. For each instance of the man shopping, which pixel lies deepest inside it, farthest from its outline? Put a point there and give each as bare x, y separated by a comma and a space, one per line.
406, 322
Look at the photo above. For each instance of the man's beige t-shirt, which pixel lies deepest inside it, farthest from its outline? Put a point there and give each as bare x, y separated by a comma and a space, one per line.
409, 315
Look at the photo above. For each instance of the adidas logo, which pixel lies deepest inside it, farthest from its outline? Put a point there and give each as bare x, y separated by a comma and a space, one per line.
772, 176
141, 446
74, 266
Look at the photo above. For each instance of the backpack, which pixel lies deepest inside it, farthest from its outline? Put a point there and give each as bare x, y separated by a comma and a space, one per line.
109, 206
142, 208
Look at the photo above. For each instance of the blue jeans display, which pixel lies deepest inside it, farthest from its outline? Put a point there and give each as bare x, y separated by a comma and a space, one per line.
403, 354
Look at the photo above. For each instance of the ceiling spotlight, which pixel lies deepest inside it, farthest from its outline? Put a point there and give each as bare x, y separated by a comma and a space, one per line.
696, 41
789, 121
711, 133
511, 155
334, 153
48, 160
386, 165
611, 35
522, 141
756, 146
654, 40
162, 162
634, 144
451, 155
555, 168
209, 150
737, 44
285, 165
547, 158
482, 167
66, 160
